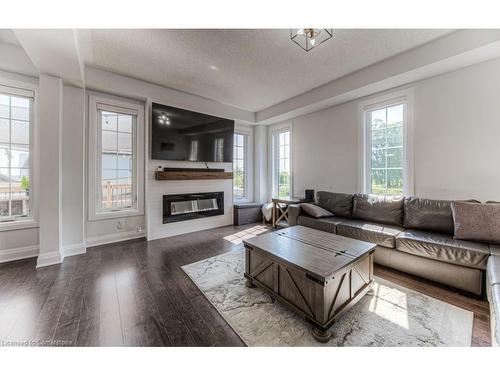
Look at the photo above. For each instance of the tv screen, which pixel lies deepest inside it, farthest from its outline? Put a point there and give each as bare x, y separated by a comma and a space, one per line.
178, 134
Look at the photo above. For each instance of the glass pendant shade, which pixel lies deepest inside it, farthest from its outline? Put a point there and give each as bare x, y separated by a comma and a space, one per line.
307, 39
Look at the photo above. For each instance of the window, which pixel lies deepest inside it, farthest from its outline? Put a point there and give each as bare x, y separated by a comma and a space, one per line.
243, 163
16, 128
282, 175
385, 154
239, 169
117, 154
116, 157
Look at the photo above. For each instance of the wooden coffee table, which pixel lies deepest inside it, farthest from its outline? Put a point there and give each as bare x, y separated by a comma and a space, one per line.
318, 274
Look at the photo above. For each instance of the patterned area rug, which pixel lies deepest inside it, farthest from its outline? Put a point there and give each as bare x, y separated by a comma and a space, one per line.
394, 316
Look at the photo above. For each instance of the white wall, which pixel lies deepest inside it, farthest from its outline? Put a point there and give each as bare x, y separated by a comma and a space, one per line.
456, 139
260, 164
73, 134
50, 122
18, 244
99, 232
457, 134
325, 153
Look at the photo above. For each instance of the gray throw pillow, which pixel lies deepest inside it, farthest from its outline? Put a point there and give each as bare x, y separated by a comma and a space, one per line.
315, 211
477, 221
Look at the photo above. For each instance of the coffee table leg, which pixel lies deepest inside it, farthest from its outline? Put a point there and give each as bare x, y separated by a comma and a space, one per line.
371, 291
321, 335
249, 284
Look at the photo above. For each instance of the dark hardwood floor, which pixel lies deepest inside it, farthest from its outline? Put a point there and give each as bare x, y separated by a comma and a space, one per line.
134, 293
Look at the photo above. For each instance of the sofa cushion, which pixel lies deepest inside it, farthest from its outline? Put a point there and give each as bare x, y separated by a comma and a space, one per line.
327, 224
339, 204
428, 215
383, 235
378, 209
493, 270
477, 221
444, 248
315, 211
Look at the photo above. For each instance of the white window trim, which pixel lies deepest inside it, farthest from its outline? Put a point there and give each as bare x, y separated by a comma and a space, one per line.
273, 160
99, 102
403, 96
249, 172
23, 88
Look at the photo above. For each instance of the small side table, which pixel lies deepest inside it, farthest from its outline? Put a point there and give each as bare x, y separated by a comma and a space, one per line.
280, 209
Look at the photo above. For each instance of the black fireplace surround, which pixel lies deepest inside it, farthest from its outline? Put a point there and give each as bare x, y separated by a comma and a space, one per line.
179, 207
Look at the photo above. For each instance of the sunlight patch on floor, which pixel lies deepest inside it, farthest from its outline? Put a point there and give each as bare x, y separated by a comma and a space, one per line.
394, 310
238, 237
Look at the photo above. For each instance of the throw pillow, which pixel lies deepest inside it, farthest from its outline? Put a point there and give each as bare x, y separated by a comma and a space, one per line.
315, 211
476, 221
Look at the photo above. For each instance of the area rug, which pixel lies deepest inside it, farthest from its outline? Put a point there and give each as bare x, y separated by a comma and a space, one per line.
394, 316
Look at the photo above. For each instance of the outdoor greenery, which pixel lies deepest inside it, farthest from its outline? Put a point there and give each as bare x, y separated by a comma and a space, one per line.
239, 181
284, 184
25, 183
387, 156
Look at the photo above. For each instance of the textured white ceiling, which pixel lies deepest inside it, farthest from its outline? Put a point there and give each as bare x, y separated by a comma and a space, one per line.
250, 69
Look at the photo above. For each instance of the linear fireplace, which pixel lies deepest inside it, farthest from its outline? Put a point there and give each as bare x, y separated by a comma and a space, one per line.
180, 207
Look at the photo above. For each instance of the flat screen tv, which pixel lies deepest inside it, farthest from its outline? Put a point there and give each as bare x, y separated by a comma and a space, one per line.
178, 134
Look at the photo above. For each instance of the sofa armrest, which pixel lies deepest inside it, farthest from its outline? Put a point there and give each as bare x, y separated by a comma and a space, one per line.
495, 249
293, 214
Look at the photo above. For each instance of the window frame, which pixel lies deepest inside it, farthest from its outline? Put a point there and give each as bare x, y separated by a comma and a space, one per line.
249, 131
101, 103
274, 131
26, 89
404, 97
246, 136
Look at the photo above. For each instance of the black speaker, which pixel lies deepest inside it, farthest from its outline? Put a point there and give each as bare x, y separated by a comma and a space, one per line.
309, 195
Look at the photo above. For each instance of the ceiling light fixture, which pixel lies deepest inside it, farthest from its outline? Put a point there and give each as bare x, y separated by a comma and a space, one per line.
163, 119
307, 39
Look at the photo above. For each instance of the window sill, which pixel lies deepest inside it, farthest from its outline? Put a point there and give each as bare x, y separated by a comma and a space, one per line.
241, 200
95, 216
18, 224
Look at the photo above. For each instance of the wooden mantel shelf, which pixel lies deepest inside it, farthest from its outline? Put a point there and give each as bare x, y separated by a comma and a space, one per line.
193, 175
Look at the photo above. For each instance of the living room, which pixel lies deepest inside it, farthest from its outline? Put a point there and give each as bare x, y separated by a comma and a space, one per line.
204, 183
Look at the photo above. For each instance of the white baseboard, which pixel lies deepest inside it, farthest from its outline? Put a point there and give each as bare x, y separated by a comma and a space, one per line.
112, 238
17, 253
75, 249
55, 257
49, 259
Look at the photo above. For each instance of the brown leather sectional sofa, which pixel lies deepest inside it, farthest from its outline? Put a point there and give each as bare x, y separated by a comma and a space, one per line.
413, 235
